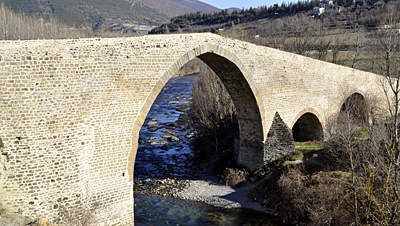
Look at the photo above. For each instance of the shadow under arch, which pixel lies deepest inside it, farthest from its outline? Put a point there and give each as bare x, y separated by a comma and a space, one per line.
353, 109
249, 149
307, 126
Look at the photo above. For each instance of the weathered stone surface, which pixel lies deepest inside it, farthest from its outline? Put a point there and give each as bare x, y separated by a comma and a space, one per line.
42, 222
279, 140
71, 110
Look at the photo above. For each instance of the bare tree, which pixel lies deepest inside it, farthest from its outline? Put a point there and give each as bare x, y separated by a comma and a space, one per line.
306, 37
337, 46
346, 138
383, 166
211, 107
359, 45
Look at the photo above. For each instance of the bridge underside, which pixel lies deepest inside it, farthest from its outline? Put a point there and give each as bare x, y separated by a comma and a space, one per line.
249, 149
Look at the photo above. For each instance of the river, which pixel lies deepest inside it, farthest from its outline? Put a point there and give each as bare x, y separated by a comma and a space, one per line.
164, 152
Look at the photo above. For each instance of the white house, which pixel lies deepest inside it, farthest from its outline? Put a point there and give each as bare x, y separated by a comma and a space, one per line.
318, 11
326, 5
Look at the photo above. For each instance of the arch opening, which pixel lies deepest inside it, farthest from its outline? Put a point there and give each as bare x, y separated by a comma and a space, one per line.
249, 146
353, 110
307, 128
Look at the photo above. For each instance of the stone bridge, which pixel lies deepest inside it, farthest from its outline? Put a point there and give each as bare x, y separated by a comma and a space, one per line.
71, 111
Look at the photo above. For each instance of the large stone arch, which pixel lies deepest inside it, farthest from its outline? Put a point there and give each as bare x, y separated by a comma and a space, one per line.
232, 72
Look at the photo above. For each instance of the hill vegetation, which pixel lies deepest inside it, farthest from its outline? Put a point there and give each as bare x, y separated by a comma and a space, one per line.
109, 15
365, 14
19, 26
168, 8
339, 35
197, 5
97, 14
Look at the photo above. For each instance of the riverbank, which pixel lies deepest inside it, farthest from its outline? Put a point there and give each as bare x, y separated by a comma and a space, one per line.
208, 189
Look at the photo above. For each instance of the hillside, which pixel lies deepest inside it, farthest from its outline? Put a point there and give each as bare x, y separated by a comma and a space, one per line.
168, 8
128, 17
80, 13
197, 5
338, 17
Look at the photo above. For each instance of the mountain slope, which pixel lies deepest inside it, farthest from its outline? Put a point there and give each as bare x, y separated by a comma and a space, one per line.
83, 12
168, 8
109, 16
197, 5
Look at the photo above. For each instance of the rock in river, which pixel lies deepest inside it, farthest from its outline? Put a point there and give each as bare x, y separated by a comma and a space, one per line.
174, 139
152, 125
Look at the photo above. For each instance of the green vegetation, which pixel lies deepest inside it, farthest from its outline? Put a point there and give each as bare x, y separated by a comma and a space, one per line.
308, 147
246, 15
29, 6
122, 9
286, 163
66, 11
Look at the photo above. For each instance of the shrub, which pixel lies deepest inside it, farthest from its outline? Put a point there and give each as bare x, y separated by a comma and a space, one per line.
234, 177
322, 198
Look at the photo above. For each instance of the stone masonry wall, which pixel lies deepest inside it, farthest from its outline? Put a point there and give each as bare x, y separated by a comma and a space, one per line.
71, 111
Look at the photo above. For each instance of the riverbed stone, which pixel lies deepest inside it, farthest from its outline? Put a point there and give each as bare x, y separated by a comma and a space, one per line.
152, 125
166, 135
163, 142
174, 139
169, 131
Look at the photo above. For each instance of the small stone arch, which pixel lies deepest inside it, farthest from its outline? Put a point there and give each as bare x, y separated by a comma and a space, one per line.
353, 109
308, 110
232, 72
307, 126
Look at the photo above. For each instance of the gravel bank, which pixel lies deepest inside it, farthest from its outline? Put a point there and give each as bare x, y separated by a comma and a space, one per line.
216, 194
208, 190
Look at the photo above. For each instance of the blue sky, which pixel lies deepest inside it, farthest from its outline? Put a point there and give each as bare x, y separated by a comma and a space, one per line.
223, 4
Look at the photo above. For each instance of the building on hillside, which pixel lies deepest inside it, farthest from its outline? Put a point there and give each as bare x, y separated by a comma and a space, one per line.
318, 11
322, 7
326, 5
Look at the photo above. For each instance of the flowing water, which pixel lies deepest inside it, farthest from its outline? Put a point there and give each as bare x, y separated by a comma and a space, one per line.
164, 152
158, 156
158, 210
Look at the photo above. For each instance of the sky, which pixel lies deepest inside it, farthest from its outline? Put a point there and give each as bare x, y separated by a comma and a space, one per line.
223, 4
